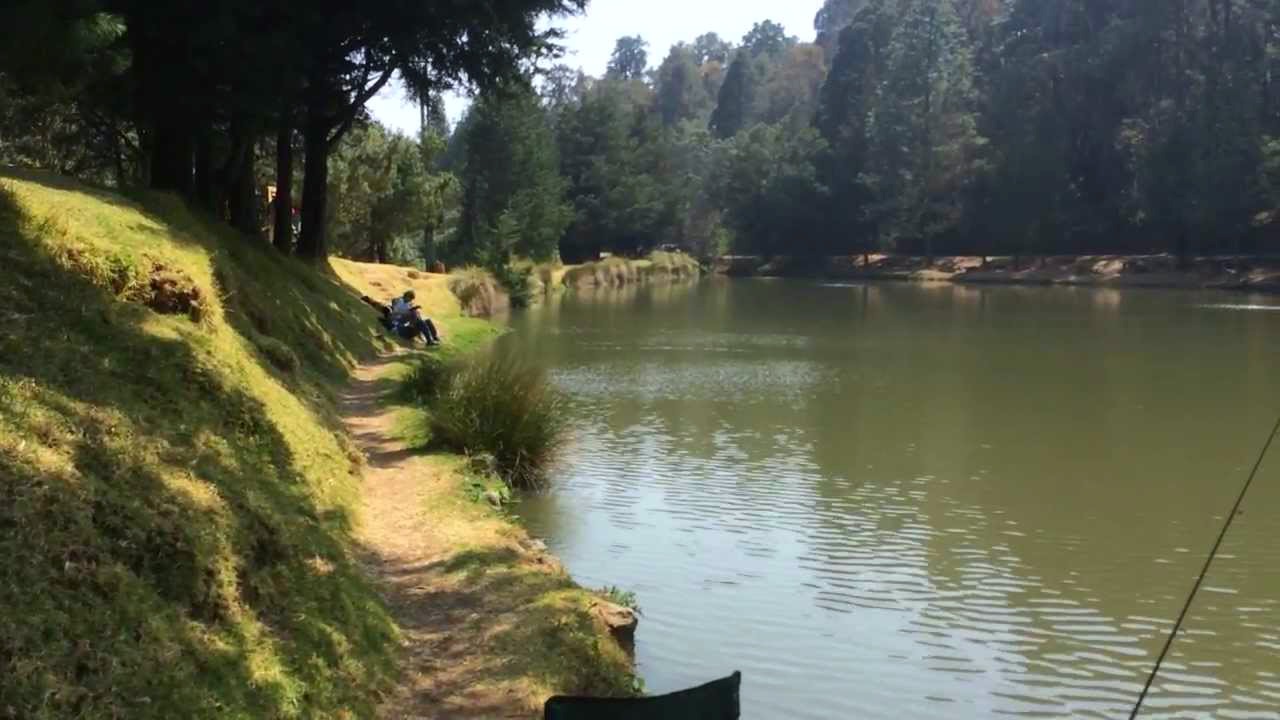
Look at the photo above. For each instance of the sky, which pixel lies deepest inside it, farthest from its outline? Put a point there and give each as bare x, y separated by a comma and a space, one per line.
589, 38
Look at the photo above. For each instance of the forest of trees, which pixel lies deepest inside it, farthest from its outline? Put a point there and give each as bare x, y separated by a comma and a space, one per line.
912, 126
208, 100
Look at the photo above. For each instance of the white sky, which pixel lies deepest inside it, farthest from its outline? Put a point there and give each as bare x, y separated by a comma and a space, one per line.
590, 36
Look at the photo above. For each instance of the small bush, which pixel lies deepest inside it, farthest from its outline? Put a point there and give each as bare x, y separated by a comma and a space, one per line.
501, 405
478, 291
423, 381
518, 282
625, 598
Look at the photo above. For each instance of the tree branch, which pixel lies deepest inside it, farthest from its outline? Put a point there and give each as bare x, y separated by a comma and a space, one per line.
362, 97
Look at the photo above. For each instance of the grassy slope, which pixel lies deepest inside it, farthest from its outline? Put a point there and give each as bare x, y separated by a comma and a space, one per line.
175, 494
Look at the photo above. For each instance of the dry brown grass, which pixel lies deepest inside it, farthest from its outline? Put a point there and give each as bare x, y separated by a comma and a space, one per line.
384, 282
618, 271
478, 292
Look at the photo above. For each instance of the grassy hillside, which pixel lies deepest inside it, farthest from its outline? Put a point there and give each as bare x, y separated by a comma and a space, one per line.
175, 497
439, 295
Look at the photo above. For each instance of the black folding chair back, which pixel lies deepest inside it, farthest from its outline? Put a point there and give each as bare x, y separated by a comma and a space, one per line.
717, 700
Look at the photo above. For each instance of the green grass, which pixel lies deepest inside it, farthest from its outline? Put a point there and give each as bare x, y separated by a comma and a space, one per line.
555, 641
176, 494
618, 596
546, 638
492, 403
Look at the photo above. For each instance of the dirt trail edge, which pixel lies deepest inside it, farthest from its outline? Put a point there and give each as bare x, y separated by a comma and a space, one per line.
446, 670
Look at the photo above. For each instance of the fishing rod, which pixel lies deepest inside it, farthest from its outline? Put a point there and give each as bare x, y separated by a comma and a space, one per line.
1182, 616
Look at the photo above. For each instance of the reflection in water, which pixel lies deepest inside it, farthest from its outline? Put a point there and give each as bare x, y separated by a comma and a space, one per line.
893, 501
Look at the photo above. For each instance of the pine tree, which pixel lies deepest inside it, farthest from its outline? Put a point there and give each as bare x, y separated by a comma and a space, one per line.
679, 91
847, 107
511, 170
737, 98
925, 140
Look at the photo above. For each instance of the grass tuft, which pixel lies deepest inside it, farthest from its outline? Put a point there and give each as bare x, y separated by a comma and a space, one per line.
495, 404
478, 291
618, 596
618, 271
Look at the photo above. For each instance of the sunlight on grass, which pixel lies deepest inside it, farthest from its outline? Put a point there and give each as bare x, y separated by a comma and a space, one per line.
175, 477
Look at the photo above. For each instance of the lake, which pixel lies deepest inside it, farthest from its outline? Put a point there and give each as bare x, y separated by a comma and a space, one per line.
910, 501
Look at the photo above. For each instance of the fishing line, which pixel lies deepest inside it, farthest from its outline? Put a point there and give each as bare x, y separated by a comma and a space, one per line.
1235, 510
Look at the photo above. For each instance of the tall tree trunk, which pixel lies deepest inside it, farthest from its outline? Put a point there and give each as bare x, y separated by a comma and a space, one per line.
283, 228
1183, 251
429, 255
238, 180
204, 168
243, 204
315, 187
172, 149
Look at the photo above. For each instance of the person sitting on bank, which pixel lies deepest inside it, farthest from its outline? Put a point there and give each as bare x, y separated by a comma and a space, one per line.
404, 311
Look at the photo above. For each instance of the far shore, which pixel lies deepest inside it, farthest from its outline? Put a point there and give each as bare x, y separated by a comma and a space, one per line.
1239, 273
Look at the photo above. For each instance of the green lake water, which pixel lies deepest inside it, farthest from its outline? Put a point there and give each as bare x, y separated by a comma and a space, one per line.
915, 501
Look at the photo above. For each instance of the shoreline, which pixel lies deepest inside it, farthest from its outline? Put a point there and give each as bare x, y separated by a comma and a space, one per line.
1237, 274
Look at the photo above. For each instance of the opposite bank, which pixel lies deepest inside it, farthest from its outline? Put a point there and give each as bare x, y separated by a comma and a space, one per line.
1252, 274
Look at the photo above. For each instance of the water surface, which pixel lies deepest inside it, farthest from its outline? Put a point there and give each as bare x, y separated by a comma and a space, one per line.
914, 501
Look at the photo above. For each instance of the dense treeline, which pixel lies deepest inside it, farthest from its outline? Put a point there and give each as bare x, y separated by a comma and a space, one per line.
933, 126
187, 98
914, 126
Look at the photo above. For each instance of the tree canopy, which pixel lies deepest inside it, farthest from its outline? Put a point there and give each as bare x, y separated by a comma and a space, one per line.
207, 83
911, 126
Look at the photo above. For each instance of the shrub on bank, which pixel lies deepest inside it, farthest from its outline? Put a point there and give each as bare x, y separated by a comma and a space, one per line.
674, 264
618, 271
478, 291
495, 403
518, 282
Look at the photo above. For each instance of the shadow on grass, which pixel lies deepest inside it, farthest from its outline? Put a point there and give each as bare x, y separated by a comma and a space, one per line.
493, 616
163, 549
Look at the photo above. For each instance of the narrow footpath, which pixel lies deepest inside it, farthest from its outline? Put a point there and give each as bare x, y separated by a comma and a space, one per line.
448, 671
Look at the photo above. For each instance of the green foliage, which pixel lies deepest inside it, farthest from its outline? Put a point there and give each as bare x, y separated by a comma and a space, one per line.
833, 17
512, 194
423, 380
766, 38
625, 598
708, 47
501, 405
960, 126
925, 145
383, 195
630, 58
769, 188
737, 97
680, 94
517, 281
605, 157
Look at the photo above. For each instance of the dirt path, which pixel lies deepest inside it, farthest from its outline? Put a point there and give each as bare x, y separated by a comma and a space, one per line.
447, 673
